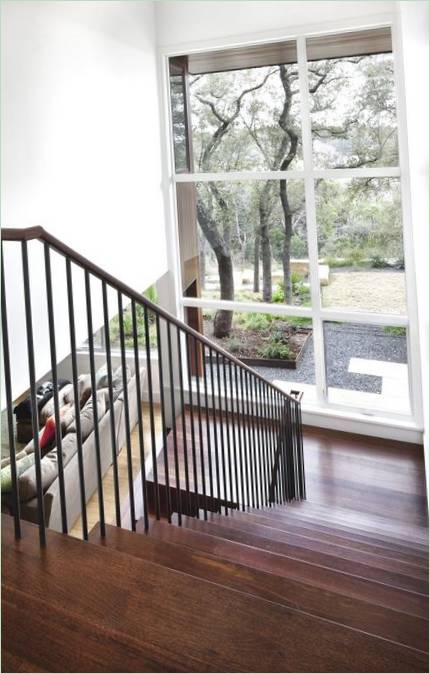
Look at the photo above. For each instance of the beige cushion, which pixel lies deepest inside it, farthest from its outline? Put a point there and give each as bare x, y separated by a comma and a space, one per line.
63, 399
87, 415
48, 467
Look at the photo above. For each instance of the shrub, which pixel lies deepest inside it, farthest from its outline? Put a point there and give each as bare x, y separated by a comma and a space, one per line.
277, 350
395, 331
233, 345
256, 321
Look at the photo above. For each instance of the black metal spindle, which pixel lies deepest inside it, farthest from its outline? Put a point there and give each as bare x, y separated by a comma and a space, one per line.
269, 414
95, 405
173, 413
34, 408
227, 420
9, 406
111, 405
301, 453
239, 439
258, 424
274, 494
257, 462
76, 398
221, 415
193, 434
139, 415
53, 352
251, 444
200, 427
279, 448
151, 413
126, 413
163, 419
245, 441
208, 430
233, 433
183, 417
215, 427
264, 446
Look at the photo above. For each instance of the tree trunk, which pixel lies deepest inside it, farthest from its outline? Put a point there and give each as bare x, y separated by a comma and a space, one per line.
256, 286
266, 252
223, 319
288, 232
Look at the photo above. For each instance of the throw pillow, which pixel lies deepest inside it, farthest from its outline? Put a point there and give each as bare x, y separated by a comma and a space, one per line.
21, 466
49, 469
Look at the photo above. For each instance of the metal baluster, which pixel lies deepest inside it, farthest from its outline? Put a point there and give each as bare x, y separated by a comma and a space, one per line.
163, 420
151, 414
257, 464
208, 430
76, 399
9, 406
265, 442
230, 474
239, 438
126, 414
279, 443
94, 401
184, 425
223, 468
271, 416
193, 435
301, 453
233, 429
215, 427
173, 412
53, 351
199, 417
251, 443
111, 406
245, 429
139, 415
293, 434
269, 413
260, 441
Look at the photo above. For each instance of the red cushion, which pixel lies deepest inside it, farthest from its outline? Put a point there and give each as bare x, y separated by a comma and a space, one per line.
48, 433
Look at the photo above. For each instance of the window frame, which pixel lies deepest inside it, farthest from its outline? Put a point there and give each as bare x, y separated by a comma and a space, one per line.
316, 312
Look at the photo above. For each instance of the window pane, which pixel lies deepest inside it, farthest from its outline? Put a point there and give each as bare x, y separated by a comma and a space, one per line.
366, 366
253, 246
360, 242
179, 122
353, 109
247, 120
279, 347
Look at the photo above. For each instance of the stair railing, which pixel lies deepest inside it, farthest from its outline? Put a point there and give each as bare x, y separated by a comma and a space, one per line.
230, 439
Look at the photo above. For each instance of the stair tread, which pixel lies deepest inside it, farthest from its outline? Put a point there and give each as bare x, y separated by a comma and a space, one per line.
336, 536
311, 557
364, 616
371, 523
327, 579
377, 559
182, 622
344, 526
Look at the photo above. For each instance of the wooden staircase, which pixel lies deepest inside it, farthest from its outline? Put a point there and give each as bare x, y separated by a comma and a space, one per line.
289, 589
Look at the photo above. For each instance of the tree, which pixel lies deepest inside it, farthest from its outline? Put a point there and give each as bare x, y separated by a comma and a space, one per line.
219, 237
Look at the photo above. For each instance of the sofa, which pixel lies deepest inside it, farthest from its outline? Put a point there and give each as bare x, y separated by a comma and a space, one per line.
51, 495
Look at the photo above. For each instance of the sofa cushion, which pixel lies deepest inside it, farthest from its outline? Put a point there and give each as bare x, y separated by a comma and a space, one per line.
49, 469
21, 466
87, 415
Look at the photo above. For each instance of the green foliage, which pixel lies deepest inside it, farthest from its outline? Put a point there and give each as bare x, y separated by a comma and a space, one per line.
233, 344
257, 321
300, 322
395, 331
277, 350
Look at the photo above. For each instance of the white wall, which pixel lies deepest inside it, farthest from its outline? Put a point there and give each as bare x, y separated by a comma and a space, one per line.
414, 34
80, 147
190, 22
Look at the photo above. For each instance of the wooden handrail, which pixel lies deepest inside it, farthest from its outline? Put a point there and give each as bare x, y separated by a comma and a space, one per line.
40, 234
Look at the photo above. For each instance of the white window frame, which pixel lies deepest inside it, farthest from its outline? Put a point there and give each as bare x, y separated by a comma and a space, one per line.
317, 313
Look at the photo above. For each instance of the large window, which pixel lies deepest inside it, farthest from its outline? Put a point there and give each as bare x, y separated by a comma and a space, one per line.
290, 213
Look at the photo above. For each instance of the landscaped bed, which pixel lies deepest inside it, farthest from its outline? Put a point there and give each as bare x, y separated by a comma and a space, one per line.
264, 339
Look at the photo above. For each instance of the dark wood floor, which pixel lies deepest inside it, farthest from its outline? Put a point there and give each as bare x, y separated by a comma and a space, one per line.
371, 476
336, 584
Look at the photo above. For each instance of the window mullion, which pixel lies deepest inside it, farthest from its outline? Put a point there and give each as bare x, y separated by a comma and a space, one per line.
311, 225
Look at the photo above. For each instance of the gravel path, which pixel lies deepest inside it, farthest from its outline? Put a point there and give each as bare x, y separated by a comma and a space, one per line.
343, 342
